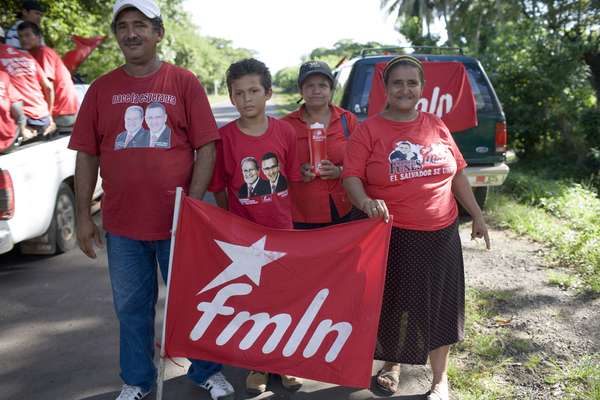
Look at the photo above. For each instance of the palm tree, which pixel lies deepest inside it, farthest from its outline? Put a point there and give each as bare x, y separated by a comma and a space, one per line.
422, 9
428, 10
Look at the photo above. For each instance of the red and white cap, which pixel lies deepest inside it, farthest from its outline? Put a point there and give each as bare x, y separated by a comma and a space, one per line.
147, 7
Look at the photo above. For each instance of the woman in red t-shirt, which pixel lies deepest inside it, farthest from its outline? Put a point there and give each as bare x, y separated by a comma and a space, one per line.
404, 163
320, 200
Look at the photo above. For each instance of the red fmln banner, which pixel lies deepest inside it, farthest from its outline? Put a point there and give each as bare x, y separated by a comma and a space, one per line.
83, 48
303, 303
447, 94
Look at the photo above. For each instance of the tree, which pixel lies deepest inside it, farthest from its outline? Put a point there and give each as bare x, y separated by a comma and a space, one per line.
342, 49
543, 58
412, 17
287, 79
183, 45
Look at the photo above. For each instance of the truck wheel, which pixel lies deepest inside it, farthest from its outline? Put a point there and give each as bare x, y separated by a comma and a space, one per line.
63, 220
481, 193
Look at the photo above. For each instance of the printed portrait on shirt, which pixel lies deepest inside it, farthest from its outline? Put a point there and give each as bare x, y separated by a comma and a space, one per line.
157, 134
405, 156
156, 120
270, 169
253, 184
134, 134
437, 153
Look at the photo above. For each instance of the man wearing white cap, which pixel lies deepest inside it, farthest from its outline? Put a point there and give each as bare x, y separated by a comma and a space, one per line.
139, 185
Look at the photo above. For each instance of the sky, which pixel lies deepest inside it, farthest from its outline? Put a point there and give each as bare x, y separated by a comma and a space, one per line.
283, 31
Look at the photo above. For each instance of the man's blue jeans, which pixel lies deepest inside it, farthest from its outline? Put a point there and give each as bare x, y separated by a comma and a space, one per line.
132, 266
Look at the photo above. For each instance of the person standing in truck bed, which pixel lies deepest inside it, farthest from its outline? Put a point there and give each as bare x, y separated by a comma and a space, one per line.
65, 96
32, 11
33, 89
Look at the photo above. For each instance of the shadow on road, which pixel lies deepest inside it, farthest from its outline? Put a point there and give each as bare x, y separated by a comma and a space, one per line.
182, 388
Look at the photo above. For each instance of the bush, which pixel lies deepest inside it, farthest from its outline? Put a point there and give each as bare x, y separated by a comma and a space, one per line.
566, 218
287, 79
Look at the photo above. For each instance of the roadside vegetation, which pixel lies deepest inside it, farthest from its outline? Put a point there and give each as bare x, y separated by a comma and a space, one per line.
561, 213
208, 57
494, 363
286, 101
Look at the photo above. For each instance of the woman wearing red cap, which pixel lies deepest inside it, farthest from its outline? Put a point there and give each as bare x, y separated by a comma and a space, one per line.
404, 163
320, 200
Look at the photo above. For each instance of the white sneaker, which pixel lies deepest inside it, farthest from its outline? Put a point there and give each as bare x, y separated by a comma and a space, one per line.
218, 387
132, 393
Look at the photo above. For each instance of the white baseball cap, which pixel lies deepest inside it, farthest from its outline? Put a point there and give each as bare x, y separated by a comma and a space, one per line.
146, 7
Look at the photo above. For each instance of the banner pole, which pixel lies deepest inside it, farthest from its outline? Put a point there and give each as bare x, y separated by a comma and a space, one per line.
161, 363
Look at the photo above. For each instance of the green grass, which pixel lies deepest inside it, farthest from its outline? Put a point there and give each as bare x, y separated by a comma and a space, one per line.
492, 360
471, 383
286, 102
481, 366
479, 363
522, 345
564, 215
533, 362
562, 280
579, 380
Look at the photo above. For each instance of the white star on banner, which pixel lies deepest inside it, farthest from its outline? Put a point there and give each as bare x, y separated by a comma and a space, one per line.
246, 260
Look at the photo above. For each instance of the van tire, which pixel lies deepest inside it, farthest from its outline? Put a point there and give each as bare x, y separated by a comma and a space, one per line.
481, 193
60, 236
63, 226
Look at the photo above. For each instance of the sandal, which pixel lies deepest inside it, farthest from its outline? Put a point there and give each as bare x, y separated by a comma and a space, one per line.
393, 379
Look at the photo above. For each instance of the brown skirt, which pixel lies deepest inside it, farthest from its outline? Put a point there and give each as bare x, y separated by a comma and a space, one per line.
424, 297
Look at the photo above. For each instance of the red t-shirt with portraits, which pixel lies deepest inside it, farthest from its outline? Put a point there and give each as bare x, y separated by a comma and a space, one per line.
65, 100
26, 76
410, 165
145, 131
8, 127
256, 172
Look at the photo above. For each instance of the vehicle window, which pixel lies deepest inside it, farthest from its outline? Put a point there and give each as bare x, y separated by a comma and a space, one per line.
341, 79
480, 88
364, 98
358, 102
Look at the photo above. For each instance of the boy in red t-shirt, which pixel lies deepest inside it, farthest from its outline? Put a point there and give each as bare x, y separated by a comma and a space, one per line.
252, 144
32, 87
65, 96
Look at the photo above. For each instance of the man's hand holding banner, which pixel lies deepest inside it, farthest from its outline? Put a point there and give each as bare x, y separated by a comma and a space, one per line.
302, 303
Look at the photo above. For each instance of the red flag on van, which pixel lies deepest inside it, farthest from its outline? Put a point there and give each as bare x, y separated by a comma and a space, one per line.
302, 303
447, 94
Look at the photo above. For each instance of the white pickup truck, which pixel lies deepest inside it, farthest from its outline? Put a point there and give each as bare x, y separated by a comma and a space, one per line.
37, 206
